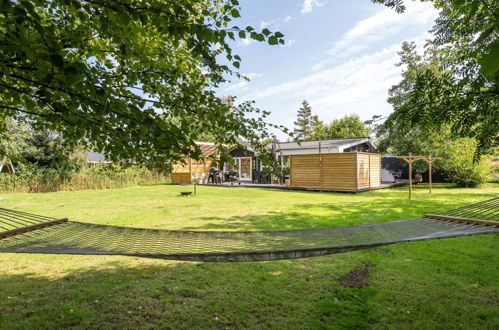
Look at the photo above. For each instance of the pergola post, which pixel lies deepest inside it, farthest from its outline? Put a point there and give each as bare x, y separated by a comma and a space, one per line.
430, 160
411, 159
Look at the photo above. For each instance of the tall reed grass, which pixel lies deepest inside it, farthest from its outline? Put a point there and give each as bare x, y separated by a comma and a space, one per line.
100, 177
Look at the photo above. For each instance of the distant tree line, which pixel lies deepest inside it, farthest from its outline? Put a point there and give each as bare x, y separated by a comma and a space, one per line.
396, 135
309, 127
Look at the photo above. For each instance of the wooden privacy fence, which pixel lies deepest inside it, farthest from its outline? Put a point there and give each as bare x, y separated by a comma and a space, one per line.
346, 171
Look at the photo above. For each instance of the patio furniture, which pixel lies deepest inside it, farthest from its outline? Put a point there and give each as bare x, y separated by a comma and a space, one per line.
219, 177
256, 176
232, 176
212, 175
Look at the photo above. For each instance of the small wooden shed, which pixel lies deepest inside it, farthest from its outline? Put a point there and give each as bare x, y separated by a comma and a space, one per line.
183, 173
344, 171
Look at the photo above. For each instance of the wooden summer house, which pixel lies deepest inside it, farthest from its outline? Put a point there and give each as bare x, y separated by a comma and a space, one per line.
332, 165
183, 173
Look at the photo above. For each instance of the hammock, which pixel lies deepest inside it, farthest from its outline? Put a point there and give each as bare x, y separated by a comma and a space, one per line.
28, 233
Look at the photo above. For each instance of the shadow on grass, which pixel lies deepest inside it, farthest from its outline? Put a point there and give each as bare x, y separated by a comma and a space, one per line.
187, 295
388, 207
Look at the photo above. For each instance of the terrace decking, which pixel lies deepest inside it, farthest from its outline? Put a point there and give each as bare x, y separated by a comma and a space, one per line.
283, 187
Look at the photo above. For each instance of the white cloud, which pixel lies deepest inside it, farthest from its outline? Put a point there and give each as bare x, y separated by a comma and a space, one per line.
359, 85
382, 25
288, 43
243, 84
287, 18
308, 5
252, 75
240, 86
246, 41
264, 24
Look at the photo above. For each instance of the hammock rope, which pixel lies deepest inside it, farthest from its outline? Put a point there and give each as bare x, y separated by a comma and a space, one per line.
70, 237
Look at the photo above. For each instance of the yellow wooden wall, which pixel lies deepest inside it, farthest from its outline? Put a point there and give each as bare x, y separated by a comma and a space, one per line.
368, 170
375, 170
182, 173
347, 171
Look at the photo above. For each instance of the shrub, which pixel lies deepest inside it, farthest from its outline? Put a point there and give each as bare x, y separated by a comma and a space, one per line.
457, 162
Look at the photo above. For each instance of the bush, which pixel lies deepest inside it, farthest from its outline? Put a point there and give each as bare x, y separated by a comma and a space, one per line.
457, 162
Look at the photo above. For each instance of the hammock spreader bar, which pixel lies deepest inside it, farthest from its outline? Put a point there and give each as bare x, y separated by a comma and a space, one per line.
69, 237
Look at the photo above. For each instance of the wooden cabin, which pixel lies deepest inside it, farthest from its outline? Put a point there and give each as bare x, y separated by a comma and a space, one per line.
183, 173
332, 165
346, 171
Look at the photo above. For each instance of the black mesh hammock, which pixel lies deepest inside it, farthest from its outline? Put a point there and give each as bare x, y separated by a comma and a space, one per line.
28, 233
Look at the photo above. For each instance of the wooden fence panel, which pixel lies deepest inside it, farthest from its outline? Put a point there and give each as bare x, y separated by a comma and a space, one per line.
338, 172
347, 171
375, 170
305, 171
363, 170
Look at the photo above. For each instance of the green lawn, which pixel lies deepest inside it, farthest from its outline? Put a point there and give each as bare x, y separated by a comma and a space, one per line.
450, 283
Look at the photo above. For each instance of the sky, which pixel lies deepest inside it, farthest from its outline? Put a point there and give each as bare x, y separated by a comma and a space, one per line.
339, 55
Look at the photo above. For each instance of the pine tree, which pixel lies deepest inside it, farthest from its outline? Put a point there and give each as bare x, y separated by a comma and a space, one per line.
304, 122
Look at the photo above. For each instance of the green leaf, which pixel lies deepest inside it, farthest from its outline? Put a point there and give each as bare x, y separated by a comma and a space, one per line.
490, 62
236, 64
56, 60
278, 34
242, 34
273, 41
266, 31
235, 13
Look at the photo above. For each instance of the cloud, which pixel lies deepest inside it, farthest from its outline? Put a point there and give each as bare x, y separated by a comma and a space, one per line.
243, 84
264, 24
245, 42
359, 85
308, 5
384, 24
287, 18
240, 86
288, 43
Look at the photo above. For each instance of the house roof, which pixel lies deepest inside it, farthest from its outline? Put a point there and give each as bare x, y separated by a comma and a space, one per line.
321, 146
208, 149
97, 157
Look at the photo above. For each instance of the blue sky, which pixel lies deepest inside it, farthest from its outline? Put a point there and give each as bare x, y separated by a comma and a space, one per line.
339, 55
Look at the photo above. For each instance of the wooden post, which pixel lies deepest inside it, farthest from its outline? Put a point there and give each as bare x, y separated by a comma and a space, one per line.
411, 159
430, 160
429, 174
410, 176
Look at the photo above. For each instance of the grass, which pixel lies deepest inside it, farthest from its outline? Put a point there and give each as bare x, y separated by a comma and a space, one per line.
442, 284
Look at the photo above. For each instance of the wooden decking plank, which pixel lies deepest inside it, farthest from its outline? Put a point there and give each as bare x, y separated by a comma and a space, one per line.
21, 230
459, 219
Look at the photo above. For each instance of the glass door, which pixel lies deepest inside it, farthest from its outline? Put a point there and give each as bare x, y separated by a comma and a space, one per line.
245, 167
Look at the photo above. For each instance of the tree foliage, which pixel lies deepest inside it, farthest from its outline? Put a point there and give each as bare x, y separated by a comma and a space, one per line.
305, 122
456, 83
113, 74
456, 153
396, 137
33, 150
349, 126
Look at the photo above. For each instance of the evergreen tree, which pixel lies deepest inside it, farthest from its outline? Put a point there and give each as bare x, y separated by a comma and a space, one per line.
304, 122
349, 126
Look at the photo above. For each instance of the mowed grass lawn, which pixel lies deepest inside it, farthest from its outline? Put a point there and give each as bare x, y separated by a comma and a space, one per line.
446, 284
